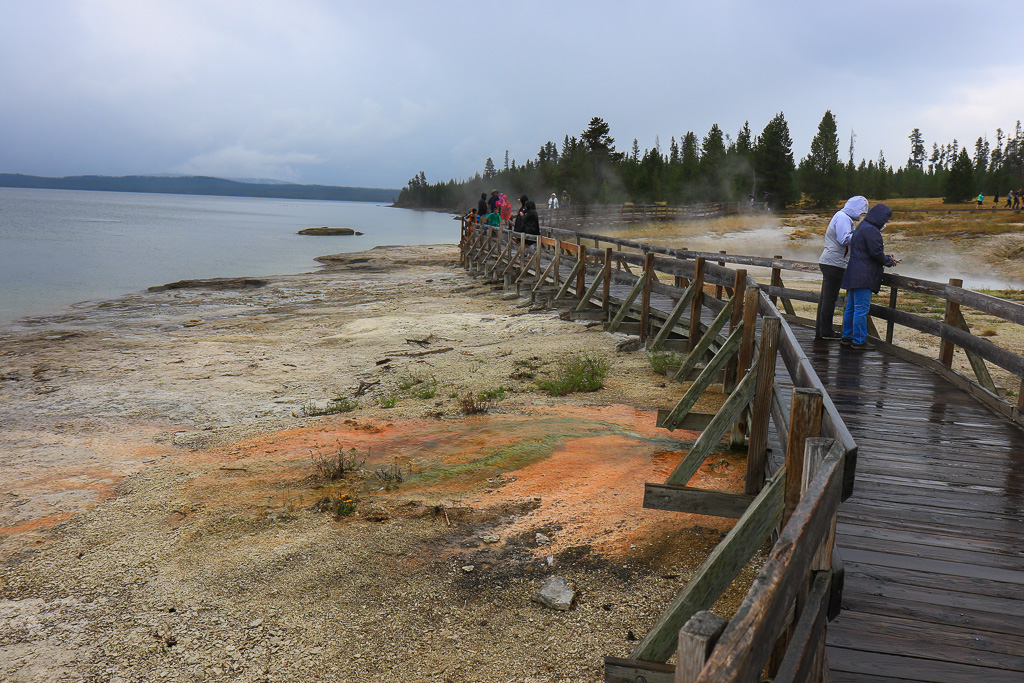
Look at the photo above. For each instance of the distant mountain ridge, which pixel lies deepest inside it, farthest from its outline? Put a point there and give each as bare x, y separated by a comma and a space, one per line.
200, 185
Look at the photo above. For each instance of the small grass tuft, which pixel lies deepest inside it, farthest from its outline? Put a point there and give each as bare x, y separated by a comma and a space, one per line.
338, 404
388, 401
661, 360
576, 374
334, 466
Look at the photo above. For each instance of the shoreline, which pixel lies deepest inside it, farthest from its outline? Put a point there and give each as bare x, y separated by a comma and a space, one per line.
162, 512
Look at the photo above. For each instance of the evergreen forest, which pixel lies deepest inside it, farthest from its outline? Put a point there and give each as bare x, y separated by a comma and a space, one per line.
719, 167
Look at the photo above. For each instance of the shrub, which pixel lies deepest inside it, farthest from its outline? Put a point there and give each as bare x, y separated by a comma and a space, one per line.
333, 466
661, 360
338, 404
576, 374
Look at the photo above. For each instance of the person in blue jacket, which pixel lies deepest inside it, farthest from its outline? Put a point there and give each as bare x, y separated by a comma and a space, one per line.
864, 274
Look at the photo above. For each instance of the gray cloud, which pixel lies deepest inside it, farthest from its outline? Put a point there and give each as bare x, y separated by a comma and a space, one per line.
368, 94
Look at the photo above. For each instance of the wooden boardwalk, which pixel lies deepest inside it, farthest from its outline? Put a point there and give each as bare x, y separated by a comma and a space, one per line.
933, 537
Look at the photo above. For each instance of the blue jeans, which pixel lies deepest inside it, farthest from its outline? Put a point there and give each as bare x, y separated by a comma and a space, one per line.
855, 317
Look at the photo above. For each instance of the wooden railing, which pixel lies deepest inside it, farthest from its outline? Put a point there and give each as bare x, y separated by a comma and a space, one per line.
591, 216
953, 332
779, 627
600, 284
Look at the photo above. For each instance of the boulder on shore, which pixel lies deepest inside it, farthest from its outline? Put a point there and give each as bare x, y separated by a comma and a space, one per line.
329, 231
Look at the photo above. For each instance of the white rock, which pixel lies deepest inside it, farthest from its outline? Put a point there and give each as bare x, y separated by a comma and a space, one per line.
555, 593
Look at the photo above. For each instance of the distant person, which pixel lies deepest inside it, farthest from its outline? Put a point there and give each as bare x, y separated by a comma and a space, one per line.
981, 200
493, 218
517, 226
565, 198
995, 202
472, 218
864, 274
553, 201
1016, 199
492, 202
481, 205
504, 207
767, 202
531, 221
833, 260
1009, 199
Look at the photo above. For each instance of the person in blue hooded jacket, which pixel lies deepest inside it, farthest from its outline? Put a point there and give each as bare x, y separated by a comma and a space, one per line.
864, 274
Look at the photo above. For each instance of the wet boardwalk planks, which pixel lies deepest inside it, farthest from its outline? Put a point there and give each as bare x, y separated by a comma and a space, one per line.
933, 536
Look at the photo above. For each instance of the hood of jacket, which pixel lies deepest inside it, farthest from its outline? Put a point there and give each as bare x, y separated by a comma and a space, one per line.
878, 215
855, 206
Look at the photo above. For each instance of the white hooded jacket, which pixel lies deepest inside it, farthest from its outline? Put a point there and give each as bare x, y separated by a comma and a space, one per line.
839, 231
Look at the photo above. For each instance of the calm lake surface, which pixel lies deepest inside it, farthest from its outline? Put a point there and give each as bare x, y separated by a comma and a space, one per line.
59, 247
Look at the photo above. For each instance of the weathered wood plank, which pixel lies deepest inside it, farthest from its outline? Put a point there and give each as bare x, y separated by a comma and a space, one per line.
618, 670
696, 501
691, 421
716, 572
704, 344
804, 660
744, 647
707, 442
696, 640
704, 380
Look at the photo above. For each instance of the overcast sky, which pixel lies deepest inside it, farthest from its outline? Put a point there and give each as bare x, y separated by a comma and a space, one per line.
370, 93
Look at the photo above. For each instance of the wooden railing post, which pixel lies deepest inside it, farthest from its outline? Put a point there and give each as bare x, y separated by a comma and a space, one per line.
893, 294
558, 261
718, 288
952, 312
645, 297
697, 305
581, 276
746, 355
697, 639
776, 281
607, 286
804, 423
739, 287
757, 448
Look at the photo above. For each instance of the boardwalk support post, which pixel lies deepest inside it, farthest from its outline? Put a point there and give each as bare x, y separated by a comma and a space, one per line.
697, 638
952, 311
764, 394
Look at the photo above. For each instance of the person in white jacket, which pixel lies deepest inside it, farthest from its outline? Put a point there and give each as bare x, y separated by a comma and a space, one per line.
553, 201
833, 260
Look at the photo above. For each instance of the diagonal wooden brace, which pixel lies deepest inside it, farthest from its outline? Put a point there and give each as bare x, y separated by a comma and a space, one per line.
673, 317
705, 342
638, 287
705, 379
713, 433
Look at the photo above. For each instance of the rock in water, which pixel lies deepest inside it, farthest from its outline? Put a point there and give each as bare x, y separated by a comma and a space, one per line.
555, 593
329, 231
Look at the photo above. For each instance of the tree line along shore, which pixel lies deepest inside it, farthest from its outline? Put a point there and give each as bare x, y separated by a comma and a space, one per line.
721, 168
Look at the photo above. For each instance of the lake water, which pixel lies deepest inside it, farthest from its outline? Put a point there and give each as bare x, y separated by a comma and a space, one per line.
59, 247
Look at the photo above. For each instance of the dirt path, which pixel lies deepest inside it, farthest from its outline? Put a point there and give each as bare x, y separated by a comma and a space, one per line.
161, 517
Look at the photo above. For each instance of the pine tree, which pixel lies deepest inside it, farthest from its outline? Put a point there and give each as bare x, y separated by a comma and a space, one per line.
881, 186
822, 174
596, 139
773, 161
712, 163
960, 183
489, 171
917, 152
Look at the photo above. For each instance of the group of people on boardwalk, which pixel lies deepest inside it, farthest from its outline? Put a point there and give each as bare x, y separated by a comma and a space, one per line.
496, 209
1013, 198
853, 259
